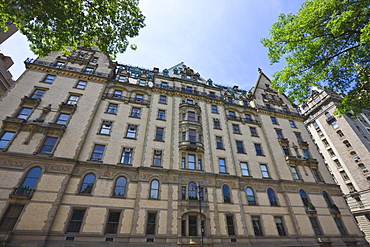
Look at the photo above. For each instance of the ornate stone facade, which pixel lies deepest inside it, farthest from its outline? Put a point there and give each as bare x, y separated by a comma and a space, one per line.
99, 153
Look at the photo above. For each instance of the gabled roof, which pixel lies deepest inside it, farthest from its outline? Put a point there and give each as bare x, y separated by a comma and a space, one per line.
183, 71
262, 82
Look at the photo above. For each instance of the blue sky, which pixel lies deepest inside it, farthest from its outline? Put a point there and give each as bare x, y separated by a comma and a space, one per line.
219, 39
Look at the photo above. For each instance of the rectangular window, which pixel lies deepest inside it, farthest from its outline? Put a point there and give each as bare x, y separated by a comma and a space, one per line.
230, 225
131, 131
316, 175
294, 171
191, 116
257, 226
306, 153
10, 217
63, 118
280, 226
344, 175
216, 123
298, 136
139, 98
193, 225
245, 169
248, 118
97, 153
183, 193
161, 115
49, 78
112, 223
72, 100
232, 115
150, 226
192, 135
212, 94
94, 60
157, 158
191, 161
236, 129
162, 99
239, 147
81, 84
253, 131
292, 124
37, 94
159, 134
142, 82
122, 78
286, 150
24, 113
164, 84
112, 108
89, 70
222, 165
48, 146
315, 226
229, 100
258, 149
264, 171
135, 112
274, 120
76, 220
214, 109
340, 226
219, 144
337, 162
105, 128
6, 138
279, 134
126, 156
117, 94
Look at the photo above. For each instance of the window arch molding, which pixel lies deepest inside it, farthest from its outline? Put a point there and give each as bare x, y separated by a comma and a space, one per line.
272, 197
226, 193
250, 195
87, 185
139, 91
120, 187
154, 188
31, 177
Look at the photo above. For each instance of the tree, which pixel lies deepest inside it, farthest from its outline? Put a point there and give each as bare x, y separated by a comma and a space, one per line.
327, 45
51, 25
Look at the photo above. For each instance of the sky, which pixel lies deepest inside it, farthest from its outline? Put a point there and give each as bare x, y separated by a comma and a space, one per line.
219, 39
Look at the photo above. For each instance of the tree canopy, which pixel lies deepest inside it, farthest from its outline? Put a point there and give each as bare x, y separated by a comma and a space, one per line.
52, 25
327, 45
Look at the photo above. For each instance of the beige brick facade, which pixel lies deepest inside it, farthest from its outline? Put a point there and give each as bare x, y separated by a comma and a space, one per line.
99, 153
344, 143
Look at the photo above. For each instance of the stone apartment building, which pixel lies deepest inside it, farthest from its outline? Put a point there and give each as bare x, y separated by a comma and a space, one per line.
345, 145
98, 153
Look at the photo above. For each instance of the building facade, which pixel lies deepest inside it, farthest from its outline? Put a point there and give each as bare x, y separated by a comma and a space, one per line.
6, 79
99, 153
344, 143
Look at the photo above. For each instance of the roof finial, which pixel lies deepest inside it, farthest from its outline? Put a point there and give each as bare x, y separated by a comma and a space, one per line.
259, 70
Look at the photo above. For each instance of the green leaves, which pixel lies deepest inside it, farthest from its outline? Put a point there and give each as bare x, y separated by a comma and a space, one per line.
52, 25
322, 44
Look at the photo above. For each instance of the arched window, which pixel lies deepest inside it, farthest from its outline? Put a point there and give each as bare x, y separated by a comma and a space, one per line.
250, 196
154, 189
304, 198
87, 184
363, 168
226, 193
327, 199
272, 197
355, 156
192, 191
120, 188
31, 179
340, 133
348, 145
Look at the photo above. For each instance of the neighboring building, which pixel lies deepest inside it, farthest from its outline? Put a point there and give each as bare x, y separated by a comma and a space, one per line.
96, 153
345, 145
5, 76
5, 35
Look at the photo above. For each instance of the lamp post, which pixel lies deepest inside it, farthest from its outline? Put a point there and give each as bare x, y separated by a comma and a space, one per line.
201, 190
